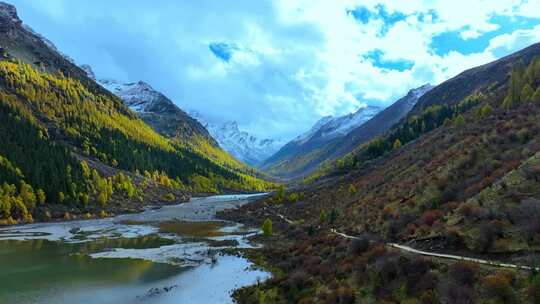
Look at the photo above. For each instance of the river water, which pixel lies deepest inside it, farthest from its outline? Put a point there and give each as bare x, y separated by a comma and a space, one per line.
167, 255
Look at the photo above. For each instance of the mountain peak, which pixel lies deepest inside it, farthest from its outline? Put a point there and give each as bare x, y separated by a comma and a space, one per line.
144, 86
241, 144
8, 16
421, 90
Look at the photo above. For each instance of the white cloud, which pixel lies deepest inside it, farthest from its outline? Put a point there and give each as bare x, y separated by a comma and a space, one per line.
296, 60
518, 39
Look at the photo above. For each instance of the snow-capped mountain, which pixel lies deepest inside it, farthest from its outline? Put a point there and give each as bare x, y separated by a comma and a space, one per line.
242, 145
332, 137
155, 109
168, 119
330, 127
302, 138
138, 96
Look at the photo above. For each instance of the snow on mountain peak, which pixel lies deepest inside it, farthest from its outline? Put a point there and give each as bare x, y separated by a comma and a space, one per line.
340, 126
240, 144
137, 95
329, 127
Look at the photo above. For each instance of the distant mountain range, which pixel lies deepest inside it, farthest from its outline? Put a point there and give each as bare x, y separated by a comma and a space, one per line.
332, 137
240, 144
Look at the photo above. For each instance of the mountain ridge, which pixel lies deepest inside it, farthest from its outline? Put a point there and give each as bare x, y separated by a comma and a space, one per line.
157, 110
303, 155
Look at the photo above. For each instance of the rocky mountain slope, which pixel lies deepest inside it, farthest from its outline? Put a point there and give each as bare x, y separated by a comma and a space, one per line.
381, 122
240, 144
155, 109
167, 118
334, 137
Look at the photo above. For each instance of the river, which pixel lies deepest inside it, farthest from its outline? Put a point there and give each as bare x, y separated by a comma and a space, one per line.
166, 255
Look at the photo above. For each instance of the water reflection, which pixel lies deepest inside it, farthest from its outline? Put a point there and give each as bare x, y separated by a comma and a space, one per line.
105, 261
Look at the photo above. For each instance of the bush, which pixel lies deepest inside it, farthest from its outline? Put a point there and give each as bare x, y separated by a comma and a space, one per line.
429, 217
352, 189
169, 197
293, 197
498, 286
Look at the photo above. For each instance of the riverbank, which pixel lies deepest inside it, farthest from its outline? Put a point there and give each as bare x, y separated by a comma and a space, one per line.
154, 196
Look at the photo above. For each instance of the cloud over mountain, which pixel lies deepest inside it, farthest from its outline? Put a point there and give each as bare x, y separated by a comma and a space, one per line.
276, 67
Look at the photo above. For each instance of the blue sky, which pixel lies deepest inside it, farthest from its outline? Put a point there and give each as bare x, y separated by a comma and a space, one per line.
276, 67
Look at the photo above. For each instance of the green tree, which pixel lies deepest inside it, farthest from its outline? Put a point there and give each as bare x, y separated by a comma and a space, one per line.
508, 102
85, 169
27, 194
352, 189
516, 85
267, 227
459, 121
322, 216
397, 144
41, 197
102, 199
61, 197
486, 110
526, 93
280, 195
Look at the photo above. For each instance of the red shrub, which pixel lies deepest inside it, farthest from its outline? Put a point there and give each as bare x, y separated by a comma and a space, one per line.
429, 217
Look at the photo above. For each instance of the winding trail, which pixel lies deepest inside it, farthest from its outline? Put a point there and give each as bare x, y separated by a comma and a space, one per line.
432, 254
